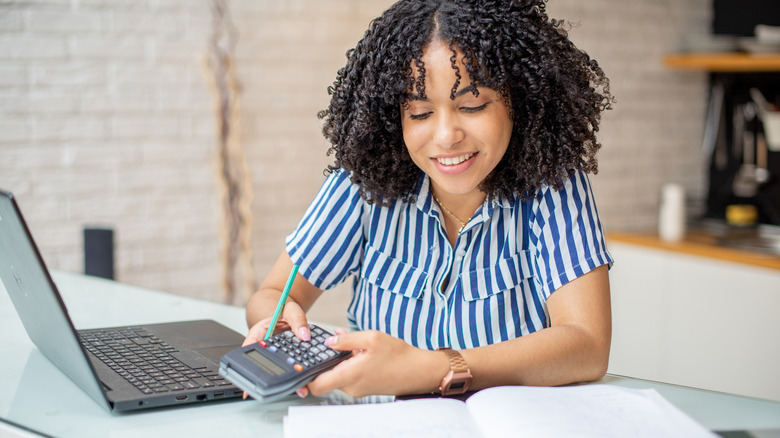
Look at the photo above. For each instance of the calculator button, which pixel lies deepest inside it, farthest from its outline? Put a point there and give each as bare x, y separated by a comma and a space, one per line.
298, 367
262, 343
273, 348
330, 353
323, 356
291, 361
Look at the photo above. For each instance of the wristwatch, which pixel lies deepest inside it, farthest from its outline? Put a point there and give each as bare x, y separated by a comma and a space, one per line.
458, 378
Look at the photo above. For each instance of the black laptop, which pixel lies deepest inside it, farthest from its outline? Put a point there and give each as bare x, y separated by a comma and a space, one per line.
122, 368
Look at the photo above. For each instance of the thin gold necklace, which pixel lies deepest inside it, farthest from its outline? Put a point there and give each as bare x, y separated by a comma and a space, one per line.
447, 210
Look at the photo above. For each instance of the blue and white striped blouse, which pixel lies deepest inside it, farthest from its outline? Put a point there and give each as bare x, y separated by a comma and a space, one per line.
411, 283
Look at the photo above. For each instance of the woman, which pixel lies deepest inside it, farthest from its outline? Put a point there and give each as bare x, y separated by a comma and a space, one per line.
459, 201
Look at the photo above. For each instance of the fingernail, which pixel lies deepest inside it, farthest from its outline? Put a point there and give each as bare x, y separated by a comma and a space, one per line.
245, 395
305, 333
302, 392
331, 340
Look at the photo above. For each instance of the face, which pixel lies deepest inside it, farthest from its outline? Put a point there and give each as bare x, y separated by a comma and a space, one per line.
457, 143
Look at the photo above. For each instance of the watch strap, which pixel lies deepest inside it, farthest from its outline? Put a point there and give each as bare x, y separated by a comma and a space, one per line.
457, 362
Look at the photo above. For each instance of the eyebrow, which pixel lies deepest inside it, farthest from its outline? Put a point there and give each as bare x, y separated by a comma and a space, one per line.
461, 92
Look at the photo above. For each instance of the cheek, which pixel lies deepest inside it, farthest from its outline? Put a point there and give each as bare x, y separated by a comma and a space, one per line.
413, 137
497, 140
504, 130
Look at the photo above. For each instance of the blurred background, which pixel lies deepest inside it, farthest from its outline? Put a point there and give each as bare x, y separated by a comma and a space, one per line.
141, 116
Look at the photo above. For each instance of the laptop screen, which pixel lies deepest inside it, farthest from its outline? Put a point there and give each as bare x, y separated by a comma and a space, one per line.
37, 301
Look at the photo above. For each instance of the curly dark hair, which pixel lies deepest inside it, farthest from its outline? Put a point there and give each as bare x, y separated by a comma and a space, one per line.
555, 91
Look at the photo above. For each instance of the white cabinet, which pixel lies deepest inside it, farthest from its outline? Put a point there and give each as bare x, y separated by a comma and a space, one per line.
695, 321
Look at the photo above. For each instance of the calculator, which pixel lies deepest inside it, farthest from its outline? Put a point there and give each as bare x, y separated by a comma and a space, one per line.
276, 367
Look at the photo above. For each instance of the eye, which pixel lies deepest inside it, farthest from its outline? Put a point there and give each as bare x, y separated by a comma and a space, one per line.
422, 116
474, 109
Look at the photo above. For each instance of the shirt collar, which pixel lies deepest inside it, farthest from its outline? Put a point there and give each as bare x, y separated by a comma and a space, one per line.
424, 196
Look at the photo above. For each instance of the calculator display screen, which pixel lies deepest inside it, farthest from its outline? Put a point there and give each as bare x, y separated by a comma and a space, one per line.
265, 363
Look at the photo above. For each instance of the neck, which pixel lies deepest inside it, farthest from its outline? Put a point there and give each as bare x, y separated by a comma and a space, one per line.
462, 206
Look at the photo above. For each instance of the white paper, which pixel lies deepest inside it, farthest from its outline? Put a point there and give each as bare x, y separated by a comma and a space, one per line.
598, 411
429, 418
601, 411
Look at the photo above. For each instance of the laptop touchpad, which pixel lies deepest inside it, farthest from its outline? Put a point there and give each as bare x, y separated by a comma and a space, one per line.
216, 353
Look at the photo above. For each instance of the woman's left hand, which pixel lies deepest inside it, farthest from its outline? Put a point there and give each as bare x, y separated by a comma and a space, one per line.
380, 364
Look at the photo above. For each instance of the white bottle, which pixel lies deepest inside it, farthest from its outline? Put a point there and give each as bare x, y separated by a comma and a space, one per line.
671, 215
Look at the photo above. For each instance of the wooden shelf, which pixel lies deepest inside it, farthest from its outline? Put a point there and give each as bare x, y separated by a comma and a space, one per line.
724, 62
698, 244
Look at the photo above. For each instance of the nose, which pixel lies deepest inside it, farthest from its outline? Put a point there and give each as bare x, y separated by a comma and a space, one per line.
449, 131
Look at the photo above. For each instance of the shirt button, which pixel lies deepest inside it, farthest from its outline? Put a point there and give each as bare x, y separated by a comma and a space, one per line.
461, 253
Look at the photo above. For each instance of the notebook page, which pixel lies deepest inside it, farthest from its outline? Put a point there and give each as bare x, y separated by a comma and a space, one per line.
429, 418
579, 411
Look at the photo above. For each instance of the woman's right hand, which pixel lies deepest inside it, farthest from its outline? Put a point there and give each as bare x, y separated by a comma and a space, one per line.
262, 304
293, 317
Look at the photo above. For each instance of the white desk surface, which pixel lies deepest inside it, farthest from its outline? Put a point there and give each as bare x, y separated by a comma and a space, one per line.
36, 395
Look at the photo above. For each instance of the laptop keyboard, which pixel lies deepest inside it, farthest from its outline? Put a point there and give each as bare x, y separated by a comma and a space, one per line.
146, 361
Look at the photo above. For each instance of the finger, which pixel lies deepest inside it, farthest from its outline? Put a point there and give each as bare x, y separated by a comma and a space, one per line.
256, 333
280, 327
259, 330
344, 341
296, 318
302, 392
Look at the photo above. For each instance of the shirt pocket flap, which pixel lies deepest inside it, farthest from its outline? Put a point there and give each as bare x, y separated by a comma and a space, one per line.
394, 275
507, 274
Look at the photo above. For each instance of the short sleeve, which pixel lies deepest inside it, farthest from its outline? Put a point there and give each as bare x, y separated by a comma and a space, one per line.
566, 234
327, 244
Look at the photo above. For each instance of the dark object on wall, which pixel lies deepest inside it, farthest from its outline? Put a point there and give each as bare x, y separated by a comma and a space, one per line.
742, 145
99, 252
740, 17
738, 145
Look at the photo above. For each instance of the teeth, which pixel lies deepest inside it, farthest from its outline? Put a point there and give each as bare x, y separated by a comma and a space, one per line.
451, 161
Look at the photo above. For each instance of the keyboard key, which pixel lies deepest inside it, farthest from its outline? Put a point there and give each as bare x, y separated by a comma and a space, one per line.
203, 382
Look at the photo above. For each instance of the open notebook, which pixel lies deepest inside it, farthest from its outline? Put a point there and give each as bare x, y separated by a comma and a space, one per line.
598, 411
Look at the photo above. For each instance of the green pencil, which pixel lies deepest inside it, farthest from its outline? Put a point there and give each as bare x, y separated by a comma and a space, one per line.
282, 300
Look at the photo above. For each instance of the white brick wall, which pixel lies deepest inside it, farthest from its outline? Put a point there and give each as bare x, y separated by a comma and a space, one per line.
653, 136
105, 118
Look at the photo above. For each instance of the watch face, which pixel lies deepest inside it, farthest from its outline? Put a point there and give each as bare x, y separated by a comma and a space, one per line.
455, 382
454, 386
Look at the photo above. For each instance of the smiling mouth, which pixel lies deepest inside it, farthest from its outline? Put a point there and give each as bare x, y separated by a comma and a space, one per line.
452, 161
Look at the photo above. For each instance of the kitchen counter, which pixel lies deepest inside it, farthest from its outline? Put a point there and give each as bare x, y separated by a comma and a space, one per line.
701, 244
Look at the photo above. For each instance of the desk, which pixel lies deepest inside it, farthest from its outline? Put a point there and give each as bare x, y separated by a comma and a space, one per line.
36, 395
